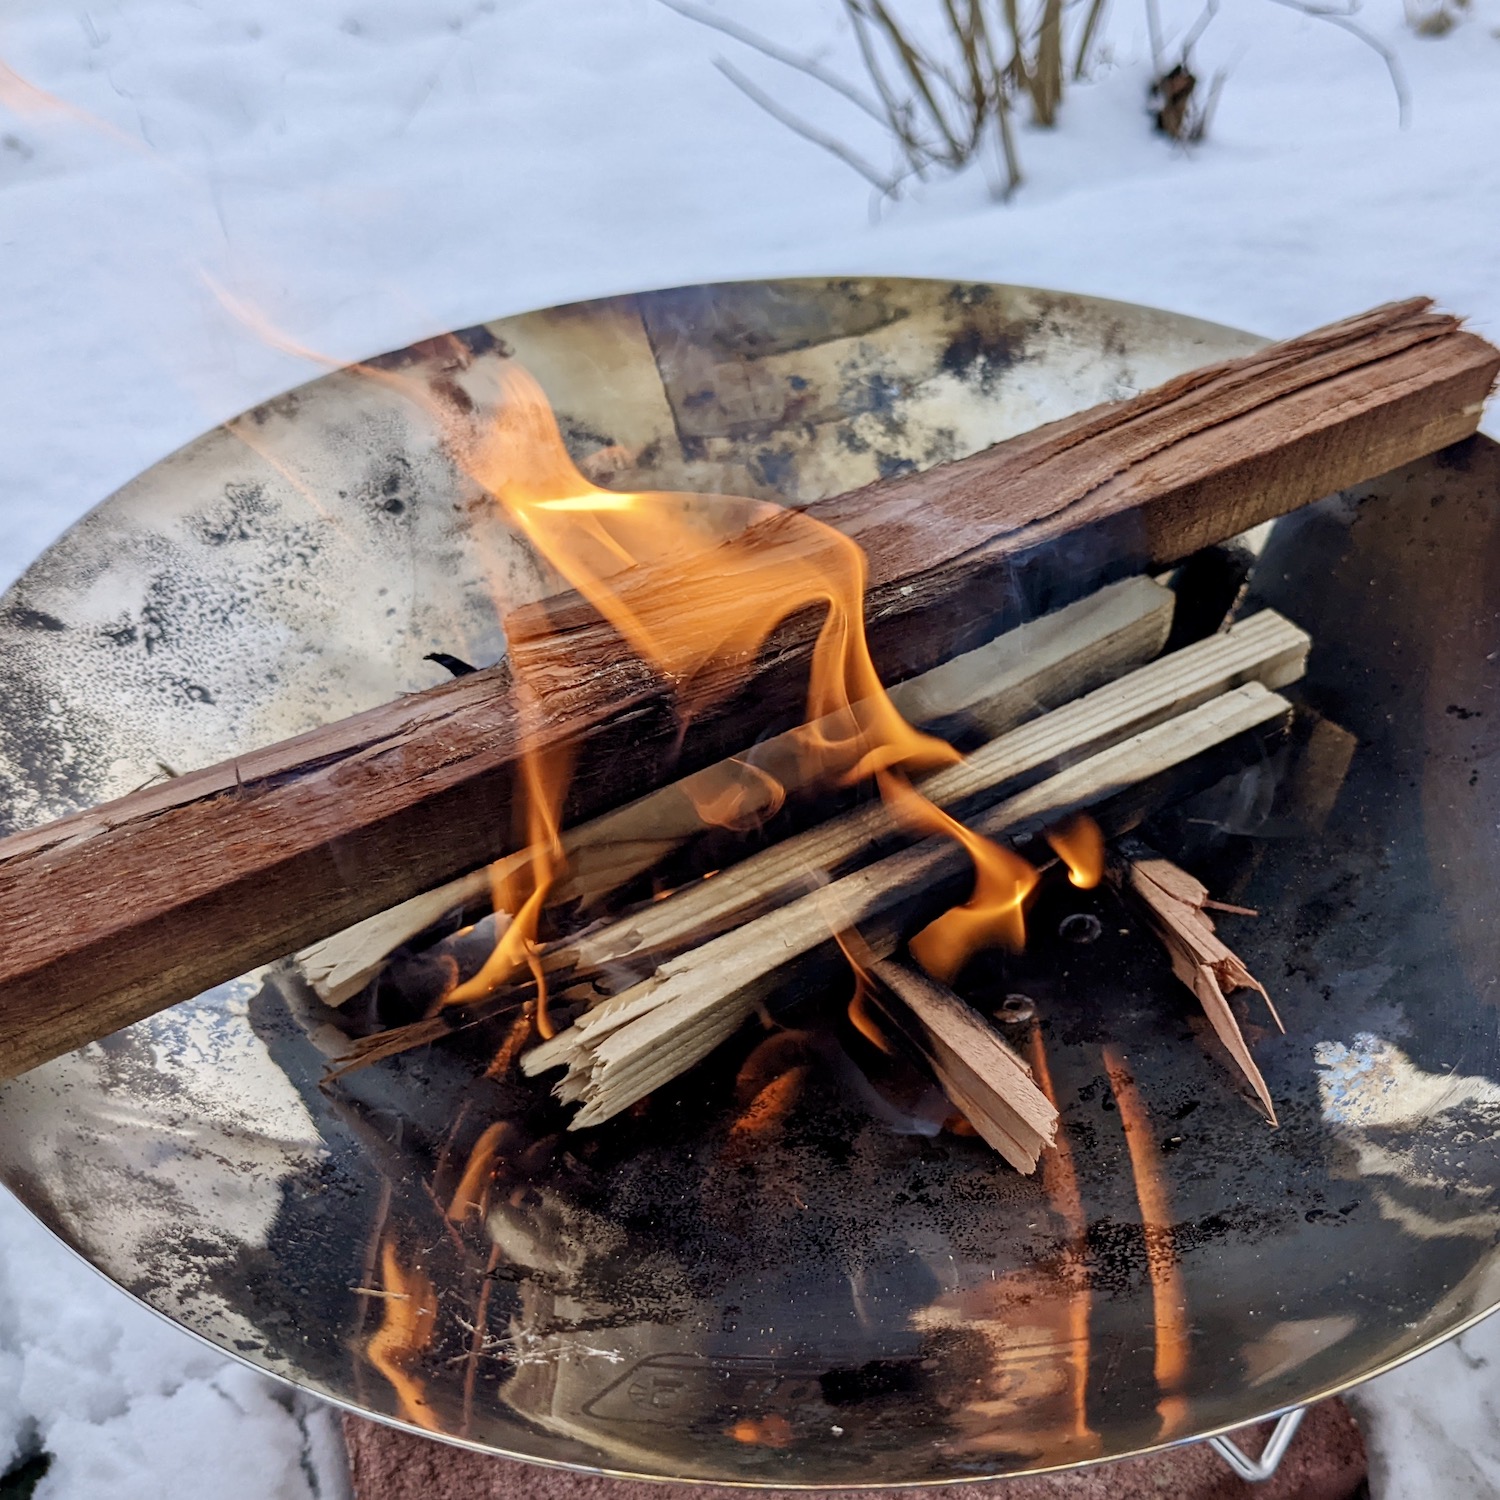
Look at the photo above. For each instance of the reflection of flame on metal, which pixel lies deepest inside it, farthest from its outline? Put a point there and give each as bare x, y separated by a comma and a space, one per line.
770, 1107
773, 1431
1168, 1291
409, 1315
471, 1196
1060, 1179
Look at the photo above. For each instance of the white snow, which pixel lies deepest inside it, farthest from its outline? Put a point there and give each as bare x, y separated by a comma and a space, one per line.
367, 172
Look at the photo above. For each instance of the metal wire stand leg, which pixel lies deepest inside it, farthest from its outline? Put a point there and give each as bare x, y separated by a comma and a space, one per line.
1256, 1470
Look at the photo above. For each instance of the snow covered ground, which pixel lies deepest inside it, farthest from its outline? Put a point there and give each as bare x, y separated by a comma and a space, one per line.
367, 172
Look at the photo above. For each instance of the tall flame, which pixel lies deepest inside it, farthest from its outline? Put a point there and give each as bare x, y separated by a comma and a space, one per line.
727, 597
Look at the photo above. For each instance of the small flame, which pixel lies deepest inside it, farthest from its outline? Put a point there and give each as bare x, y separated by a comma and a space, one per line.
522, 888
994, 913
1079, 843
860, 958
410, 1314
765, 1432
735, 795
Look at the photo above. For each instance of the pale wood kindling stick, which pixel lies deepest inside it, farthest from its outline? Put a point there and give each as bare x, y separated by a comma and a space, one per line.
1021, 672
117, 912
988, 1083
626, 1047
1174, 905
1264, 648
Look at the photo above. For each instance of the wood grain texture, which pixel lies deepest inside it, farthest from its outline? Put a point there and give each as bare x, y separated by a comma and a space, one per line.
115, 913
1021, 527
628, 1045
1022, 672
979, 1072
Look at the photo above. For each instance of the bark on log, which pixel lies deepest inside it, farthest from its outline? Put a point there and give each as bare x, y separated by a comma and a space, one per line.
117, 912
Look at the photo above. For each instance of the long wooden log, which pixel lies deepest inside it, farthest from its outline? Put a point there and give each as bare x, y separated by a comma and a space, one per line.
112, 914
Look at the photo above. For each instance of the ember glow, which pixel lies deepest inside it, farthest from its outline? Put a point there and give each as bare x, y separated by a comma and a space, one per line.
765, 1432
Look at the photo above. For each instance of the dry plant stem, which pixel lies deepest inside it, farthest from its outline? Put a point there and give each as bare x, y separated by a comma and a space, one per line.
984, 1078
183, 886
628, 1046
1265, 648
1021, 672
1173, 904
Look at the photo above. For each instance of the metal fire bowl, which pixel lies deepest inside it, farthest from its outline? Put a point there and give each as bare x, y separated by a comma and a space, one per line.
879, 1307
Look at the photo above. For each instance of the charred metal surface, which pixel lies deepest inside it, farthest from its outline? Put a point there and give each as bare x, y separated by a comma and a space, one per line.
853, 1295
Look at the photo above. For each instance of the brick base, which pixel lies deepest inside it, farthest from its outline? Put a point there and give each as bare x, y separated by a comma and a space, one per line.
1325, 1462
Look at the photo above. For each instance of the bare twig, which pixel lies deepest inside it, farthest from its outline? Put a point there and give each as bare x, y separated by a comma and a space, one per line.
1344, 19
752, 91
1196, 30
764, 45
1158, 52
1086, 39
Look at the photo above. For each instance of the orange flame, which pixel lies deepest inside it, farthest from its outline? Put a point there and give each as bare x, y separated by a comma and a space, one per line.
859, 957
727, 597
994, 913
735, 795
1079, 843
521, 889
1168, 1290
404, 1332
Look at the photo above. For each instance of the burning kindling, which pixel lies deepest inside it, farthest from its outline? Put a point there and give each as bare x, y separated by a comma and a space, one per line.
749, 754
